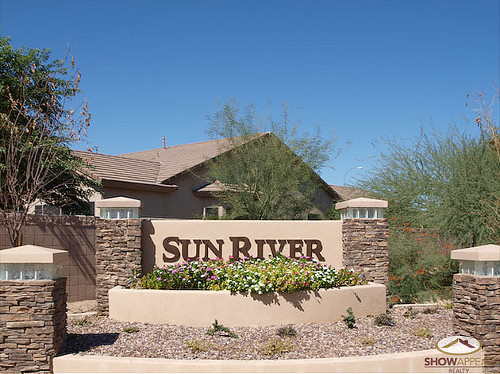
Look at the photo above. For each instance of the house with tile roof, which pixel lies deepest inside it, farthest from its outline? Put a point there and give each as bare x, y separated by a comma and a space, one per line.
169, 180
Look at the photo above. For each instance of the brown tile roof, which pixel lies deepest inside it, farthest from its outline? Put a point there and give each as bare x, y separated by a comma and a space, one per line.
180, 158
348, 193
121, 168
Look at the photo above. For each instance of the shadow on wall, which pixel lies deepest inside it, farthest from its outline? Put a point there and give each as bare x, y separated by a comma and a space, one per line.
148, 247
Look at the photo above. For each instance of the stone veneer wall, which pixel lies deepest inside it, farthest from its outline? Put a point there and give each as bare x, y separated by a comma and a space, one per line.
476, 310
118, 256
32, 324
364, 247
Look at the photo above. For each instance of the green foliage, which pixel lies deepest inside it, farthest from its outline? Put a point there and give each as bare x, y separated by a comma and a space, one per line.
277, 347
441, 182
130, 330
419, 262
286, 331
368, 341
349, 319
270, 171
430, 311
221, 330
448, 305
195, 345
423, 332
36, 130
82, 322
410, 313
384, 320
276, 274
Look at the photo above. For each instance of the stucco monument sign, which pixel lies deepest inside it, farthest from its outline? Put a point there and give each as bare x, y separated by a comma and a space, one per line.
175, 241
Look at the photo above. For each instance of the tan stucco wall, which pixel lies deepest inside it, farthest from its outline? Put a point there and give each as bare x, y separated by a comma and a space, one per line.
201, 308
155, 232
405, 362
155, 204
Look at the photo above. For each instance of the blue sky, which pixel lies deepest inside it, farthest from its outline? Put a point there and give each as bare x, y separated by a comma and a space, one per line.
361, 69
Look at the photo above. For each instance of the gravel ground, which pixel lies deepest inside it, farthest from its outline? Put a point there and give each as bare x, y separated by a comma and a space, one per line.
97, 335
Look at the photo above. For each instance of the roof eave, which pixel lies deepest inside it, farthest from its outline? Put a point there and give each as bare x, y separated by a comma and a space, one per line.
141, 186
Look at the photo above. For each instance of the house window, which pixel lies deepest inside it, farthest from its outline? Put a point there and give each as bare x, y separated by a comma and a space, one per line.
214, 212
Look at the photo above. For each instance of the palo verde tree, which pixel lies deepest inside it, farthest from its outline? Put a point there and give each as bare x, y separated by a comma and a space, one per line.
36, 130
270, 170
440, 182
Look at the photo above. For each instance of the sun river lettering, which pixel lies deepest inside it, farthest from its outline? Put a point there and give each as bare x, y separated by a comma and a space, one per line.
240, 247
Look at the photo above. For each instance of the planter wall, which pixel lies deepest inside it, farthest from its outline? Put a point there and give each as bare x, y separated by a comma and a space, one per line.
201, 308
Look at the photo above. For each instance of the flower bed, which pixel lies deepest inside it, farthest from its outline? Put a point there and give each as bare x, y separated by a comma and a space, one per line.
254, 275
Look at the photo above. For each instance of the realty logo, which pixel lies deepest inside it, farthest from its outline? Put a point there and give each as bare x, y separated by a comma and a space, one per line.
459, 355
458, 345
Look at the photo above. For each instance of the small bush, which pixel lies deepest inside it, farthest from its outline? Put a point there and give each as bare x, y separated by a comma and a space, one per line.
195, 345
277, 347
384, 320
286, 331
82, 322
430, 311
410, 313
368, 341
130, 330
448, 305
221, 330
349, 319
423, 332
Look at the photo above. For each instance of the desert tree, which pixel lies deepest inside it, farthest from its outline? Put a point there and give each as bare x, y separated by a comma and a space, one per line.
267, 168
36, 130
439, 181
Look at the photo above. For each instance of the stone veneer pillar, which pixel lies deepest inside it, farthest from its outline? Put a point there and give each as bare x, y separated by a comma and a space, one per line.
364, 247
118, 256
476, 299
476, 310
32, 324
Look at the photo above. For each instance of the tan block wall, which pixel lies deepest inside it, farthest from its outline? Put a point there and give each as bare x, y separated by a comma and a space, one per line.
32, 324
75, 234
476, 312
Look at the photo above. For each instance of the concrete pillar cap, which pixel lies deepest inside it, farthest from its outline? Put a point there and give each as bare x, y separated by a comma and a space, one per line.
489, 252
32, 254
119, 202
361, 202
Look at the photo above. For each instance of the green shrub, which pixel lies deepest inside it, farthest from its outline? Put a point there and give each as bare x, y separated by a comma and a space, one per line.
276, 274
384, 320
221, 330
285, 331
130, 330
195, 345
368, 341
423, 332
277, 347
419, 264
410, 313
349, 319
